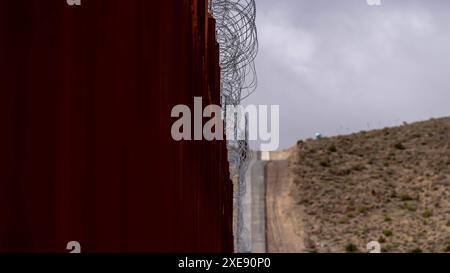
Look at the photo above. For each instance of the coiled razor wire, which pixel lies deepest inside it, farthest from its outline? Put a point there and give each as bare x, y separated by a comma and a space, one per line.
238, 40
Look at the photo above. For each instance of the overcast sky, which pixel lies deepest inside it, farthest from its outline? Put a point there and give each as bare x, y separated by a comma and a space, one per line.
338, 67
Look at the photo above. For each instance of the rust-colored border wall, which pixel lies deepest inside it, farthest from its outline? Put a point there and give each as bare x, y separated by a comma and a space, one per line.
86, 152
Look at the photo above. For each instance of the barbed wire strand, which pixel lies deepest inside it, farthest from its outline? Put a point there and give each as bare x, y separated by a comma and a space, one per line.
237, 36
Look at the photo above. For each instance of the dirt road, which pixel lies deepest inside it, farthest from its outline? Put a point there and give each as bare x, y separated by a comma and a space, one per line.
284, 233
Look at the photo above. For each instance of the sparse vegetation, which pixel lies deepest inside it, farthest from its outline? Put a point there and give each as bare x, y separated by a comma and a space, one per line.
417, 250
381, 184
351, 248
325, 163
332, 149
363, 210
410, 206
399, 146
358, 167
406, 197
427, 213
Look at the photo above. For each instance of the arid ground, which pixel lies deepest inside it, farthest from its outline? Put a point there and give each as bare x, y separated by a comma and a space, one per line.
337, 194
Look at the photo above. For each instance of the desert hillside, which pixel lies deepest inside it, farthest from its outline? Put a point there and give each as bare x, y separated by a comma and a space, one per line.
390, 185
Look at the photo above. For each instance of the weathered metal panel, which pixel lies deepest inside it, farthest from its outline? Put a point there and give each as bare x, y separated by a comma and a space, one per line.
86, 152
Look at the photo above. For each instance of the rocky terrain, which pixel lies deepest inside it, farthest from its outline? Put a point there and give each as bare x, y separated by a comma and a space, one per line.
390, 185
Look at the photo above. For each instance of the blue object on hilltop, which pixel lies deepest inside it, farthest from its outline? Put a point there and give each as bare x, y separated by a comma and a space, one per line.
318, 136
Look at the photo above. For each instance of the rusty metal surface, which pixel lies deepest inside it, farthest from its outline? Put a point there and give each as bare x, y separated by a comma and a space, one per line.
86, 152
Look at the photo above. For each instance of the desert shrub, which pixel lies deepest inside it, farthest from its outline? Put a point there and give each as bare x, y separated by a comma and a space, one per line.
332, 149
351, 248
363, 210
342, 172
406, 197
358, 167
390, 172
385, 249
410, 206
427, 213
388, 233
399, 146
416, 250
325, 163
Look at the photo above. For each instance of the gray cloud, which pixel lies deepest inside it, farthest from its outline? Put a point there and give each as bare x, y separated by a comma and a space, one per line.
338, 67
